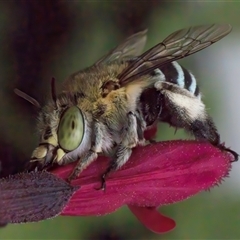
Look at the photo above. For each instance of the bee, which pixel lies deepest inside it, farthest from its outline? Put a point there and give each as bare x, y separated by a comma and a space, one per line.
105, 108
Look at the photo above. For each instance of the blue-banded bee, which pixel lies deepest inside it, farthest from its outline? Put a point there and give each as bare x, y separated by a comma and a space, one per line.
105, 108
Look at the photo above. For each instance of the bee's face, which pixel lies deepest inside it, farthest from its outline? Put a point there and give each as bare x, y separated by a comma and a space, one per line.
62, 130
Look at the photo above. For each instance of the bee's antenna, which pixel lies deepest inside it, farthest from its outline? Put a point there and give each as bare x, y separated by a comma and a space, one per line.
53, 90
25, 96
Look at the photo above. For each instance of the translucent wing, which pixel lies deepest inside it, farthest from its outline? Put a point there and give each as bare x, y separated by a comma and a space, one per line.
131, 47
176, 46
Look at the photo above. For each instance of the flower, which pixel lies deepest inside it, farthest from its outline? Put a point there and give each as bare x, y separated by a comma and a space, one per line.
155, 175
32, 197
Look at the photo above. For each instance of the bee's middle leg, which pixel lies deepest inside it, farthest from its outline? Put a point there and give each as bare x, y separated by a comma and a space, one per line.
91, 155
133, 133
120, 158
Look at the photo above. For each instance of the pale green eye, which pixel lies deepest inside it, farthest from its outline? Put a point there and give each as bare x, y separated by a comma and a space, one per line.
71, 129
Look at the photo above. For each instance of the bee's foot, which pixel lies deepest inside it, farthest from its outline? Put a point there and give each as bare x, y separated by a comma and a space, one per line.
153, 141
235, 155
103, 184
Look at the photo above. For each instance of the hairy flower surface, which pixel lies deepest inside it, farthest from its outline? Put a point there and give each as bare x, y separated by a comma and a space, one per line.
155, 175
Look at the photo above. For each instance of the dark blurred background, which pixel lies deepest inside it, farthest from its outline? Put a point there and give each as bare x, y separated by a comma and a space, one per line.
44, 39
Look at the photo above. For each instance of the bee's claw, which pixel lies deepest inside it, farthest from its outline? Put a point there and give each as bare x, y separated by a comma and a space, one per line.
152, 141
103, 184
235, 155
226, 149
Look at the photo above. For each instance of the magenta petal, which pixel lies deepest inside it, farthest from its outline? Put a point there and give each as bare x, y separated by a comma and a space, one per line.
152, 219
150, 133
157, 174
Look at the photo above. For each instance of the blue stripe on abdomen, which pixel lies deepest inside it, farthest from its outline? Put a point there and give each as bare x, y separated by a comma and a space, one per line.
176, 74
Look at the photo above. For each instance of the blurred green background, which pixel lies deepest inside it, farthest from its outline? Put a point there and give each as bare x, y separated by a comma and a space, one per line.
42, 39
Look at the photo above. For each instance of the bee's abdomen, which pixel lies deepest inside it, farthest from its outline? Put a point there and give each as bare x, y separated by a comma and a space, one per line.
151, 100
175, 73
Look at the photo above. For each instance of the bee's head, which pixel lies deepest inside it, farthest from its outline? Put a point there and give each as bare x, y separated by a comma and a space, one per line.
64, 135
61, 133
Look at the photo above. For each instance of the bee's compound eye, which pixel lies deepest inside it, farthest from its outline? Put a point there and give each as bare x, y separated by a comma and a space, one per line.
71, 129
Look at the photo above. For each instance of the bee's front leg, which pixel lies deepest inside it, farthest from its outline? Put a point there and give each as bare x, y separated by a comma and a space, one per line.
132, 136
91, 155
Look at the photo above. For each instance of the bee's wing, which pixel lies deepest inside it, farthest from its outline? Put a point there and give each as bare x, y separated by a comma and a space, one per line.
131, 47
178, 45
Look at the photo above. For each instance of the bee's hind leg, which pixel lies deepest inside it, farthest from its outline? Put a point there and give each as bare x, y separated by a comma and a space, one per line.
133, 134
